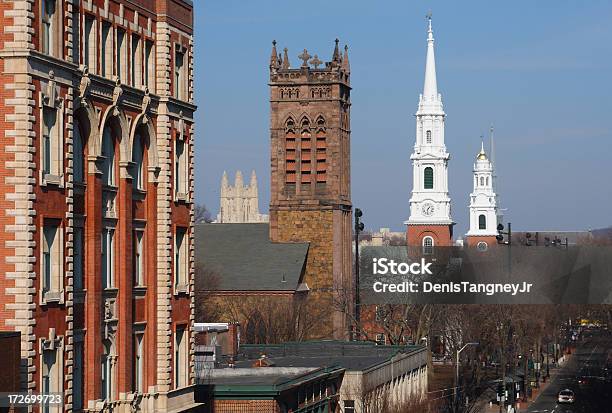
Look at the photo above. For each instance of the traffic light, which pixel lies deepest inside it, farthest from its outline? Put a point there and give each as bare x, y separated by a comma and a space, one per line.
500, 237
358, 224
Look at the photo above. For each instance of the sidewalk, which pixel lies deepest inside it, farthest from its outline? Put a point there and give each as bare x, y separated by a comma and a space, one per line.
524, 405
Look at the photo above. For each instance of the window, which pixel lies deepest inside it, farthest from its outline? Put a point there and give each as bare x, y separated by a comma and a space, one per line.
181, 262
106, 50
121, 56
138, 258
482, 222
78, 260
50, 372
107, 372
48, 26
108, 152
51, 262
136, 62
180, 358
349, 406
138, 363
149, 72
137, 158
108, 267
379, 313
179, 74
78, 161
381, 339
428, 178
481, 181
428, 135
482, 246
487, 181
180, 169
89, 44
77, 373
428, 245
51, 147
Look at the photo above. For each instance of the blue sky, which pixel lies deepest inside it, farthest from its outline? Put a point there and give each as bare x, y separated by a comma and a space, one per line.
540, 72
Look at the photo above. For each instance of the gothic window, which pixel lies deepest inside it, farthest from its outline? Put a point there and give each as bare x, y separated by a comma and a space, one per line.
89, 43
108, 153
181, 375
321, 152
135, 62
78, 163
482, 222
181, 260
428, 136
51, 157
106, 50
138, 362
428, 178
49, 16
137, 159
121, 56
138, 252
52, 257
149, 66
108, 258
290, 153
428, 245
107, 375
306, 159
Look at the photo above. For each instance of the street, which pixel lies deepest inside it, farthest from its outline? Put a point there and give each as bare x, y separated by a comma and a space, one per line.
588, 362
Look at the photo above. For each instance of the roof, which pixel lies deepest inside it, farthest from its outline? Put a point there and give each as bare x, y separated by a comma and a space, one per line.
244, 258
353, 356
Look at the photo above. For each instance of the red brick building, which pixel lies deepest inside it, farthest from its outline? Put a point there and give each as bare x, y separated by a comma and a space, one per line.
96, 120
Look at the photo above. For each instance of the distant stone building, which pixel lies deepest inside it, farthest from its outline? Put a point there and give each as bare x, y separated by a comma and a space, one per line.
239, 203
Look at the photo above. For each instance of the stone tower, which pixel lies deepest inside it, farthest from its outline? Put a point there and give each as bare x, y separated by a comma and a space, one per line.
430, 223
310, 171
239, 203
483, 204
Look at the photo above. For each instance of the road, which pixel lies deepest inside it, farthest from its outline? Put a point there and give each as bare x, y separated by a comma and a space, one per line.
589, 358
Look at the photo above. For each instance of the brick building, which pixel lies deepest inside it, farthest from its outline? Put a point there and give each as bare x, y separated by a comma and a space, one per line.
310, 171
96, 199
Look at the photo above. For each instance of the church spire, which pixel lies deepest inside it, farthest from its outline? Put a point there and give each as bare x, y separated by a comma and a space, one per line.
430, 88
274, 64
238, 182
286, 64
345, 60
253, 179
336, 58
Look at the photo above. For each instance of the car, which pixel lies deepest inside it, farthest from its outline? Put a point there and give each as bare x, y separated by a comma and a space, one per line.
566, 396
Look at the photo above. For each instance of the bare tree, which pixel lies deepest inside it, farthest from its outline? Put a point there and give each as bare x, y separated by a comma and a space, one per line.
202, 214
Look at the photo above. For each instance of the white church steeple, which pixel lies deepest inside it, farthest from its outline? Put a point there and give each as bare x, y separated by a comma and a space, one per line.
430, 202
483, 200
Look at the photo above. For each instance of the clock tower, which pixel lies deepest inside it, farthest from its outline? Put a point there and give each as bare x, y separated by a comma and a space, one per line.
483, 205
430, 223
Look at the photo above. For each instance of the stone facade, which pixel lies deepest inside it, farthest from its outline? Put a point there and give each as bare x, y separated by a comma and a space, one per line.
310, 172
97, 118
239, 202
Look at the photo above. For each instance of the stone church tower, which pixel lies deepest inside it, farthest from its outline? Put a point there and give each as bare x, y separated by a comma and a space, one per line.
430, 223
239, 203
310, 172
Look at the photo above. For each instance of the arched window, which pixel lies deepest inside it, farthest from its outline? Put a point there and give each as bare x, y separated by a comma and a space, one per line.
428, 136
481, 181
428, 245
137, 158
487, 181
78, 156
428, 178
482, 222
108, 152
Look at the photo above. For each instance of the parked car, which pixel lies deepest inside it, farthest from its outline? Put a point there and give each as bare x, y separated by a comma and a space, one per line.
566, 396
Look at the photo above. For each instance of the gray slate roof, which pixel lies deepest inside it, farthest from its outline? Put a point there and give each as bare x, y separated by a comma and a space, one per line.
244, 258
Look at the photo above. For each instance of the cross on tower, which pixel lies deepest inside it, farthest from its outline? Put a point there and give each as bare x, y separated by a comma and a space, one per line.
315, 61
304, 56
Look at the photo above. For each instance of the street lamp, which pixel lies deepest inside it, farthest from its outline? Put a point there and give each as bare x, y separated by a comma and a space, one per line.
457, 372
